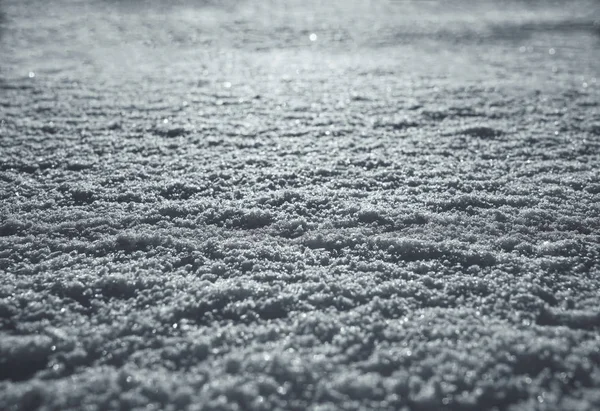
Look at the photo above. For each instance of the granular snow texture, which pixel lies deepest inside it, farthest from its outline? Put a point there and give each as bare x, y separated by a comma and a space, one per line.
299, 205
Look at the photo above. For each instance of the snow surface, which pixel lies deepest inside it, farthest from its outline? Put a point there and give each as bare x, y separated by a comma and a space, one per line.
297, 205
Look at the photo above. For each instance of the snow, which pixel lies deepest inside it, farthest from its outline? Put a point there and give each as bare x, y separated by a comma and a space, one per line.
259, 206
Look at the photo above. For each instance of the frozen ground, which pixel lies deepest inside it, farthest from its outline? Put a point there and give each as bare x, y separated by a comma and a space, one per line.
299, 205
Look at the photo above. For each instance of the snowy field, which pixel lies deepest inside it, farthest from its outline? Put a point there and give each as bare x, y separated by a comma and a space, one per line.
299, 205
